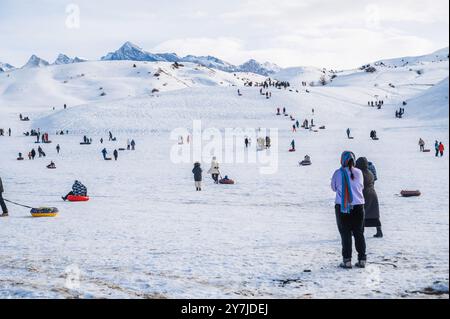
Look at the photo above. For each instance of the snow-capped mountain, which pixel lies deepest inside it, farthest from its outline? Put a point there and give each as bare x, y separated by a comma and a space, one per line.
4, 67
211, 62
64, 59
254, 66
36, 62
130, 51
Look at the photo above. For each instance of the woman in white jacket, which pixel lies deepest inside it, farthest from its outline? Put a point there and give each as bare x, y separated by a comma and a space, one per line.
214, 170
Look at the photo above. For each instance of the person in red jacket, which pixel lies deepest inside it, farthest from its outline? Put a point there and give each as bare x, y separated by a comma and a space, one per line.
441, 149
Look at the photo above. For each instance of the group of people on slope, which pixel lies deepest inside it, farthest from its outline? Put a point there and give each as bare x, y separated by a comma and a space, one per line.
214, 171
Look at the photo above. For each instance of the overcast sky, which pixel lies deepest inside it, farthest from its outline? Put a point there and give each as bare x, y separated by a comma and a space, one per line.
324, 33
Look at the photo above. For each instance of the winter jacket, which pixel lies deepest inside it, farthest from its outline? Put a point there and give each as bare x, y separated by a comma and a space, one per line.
357, 186
1, 186
79, 189
214, 168
371, 206
373, 170
441, 147
197, 171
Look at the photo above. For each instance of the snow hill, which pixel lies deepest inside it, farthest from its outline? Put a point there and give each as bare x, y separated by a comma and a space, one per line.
146, 233
433, 103
82, 83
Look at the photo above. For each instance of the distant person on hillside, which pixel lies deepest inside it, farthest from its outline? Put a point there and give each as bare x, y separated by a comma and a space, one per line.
116, 155
197, 171
422, 144
348, 184
133, 145
436, 147
58, 148
2, 201
214, 170
441, 149
348, 133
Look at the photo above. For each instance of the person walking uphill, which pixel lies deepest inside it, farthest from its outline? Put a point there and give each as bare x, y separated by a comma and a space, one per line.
2, 201
348, 184
371, 207
214, 170
197, 171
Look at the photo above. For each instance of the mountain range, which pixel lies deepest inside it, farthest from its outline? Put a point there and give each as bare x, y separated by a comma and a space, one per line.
132, 52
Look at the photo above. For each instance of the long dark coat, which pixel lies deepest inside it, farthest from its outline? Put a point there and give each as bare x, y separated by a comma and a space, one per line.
371, 207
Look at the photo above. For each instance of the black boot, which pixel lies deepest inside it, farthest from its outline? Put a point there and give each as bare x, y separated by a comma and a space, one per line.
379, 233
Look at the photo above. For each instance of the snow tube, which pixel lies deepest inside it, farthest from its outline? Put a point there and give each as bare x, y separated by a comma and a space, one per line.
226, 182
291, 151
44, 212
410, 193
305, 163
74, 198
83, 143
427, 151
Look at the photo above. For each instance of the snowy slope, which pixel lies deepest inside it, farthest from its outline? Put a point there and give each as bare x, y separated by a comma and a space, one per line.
82, 83
297, 75
433, 103
438, 56
147, 234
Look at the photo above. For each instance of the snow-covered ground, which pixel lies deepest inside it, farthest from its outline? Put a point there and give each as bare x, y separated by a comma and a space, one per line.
146, 233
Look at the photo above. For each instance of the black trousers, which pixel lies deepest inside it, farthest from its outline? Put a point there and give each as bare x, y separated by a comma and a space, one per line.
3, 205
215, 177
348, 225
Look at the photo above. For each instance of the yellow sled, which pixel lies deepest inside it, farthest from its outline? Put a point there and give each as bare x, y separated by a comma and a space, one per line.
44, 212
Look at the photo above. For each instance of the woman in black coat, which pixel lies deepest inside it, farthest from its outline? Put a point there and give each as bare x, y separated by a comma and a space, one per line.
372, 209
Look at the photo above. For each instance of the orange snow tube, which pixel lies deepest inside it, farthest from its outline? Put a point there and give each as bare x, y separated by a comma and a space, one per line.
74, 198
410, 193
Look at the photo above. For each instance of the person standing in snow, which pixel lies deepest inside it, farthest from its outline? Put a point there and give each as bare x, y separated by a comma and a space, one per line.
422, 144
246, 142
104, 152
197, 171
58, 148
133, 145
2, 201
110, 136
348, 184
348, 133
371, 206
436, 147
294, 129
214, 170
297, 124
441, 149
116, 155
293, 146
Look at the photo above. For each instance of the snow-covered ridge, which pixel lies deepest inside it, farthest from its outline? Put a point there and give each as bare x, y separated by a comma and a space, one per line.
4, 67
64, 59
438, 56
36, 62
132, 52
